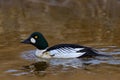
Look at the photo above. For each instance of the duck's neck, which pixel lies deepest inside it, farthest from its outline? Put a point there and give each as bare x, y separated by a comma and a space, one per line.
41, 45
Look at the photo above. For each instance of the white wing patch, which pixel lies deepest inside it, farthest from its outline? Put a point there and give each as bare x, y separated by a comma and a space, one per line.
66, 52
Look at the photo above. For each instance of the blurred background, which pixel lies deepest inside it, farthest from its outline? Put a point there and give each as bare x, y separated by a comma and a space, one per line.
94, 23
76, 21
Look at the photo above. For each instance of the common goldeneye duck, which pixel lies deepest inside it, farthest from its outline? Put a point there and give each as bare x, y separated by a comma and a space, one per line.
60, 50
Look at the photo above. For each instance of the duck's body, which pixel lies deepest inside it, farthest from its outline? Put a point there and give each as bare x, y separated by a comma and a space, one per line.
66, 51
60, 50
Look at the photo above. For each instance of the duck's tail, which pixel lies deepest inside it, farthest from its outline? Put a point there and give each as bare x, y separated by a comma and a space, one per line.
104, 55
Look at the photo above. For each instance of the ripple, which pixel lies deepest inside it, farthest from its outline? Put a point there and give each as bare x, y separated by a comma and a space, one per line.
42, 66
76, 62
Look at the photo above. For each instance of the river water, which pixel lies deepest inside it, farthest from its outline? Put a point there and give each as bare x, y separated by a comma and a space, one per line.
59, 23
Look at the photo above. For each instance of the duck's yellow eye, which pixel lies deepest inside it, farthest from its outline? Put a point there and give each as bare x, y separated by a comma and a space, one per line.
36, 37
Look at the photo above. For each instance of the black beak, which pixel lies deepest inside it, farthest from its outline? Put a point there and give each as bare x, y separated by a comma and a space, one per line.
27, 41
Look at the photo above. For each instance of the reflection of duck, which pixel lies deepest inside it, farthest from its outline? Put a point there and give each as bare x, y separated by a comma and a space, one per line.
60, 50
38, 66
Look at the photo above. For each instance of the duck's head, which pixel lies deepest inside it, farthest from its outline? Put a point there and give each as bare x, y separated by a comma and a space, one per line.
37, 39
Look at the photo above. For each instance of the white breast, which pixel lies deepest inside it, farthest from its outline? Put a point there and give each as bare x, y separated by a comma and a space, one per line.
39, 53
43, 54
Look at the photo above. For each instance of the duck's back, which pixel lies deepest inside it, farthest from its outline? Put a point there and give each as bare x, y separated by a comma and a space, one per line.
71, 51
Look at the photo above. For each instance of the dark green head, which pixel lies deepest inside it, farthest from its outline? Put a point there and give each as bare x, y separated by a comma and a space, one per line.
38, 40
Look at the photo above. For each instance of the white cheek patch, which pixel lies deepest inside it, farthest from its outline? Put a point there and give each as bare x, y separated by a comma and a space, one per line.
33, 40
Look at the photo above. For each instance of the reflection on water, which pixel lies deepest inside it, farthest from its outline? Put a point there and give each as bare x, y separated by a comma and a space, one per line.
40, 65
76, 62
90, 23
37, 68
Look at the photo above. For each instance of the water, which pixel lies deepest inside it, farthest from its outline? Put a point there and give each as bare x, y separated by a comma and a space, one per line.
89, 23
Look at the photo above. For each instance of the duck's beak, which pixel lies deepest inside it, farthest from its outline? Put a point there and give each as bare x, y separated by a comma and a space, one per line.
27, 41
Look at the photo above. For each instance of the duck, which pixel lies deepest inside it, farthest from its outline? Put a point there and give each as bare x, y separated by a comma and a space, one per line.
60, 50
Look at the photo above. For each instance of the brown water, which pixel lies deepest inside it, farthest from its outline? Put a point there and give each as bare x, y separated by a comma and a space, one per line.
88, 23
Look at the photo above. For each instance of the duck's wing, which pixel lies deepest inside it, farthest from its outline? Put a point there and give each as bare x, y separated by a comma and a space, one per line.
70, 51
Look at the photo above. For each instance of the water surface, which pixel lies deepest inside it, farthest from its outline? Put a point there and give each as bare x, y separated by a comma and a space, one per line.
63, 21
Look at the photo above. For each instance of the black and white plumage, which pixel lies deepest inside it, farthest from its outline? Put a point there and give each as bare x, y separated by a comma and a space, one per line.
60, 50
67, 51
